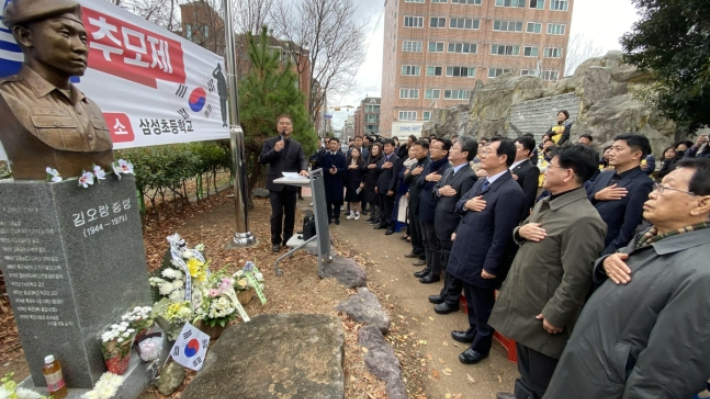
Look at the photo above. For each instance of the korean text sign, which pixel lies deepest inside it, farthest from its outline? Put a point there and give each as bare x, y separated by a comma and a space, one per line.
153, 86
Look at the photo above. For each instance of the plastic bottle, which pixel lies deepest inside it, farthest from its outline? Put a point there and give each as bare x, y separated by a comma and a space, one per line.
55, 380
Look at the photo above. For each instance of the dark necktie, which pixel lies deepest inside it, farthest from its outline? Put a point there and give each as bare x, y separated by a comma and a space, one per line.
486, 183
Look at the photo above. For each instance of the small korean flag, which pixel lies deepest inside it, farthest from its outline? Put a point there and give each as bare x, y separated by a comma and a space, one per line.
190, 348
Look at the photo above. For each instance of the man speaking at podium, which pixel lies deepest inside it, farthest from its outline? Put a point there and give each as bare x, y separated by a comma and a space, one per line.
282, 154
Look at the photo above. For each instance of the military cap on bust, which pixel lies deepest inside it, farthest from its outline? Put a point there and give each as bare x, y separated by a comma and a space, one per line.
20, 11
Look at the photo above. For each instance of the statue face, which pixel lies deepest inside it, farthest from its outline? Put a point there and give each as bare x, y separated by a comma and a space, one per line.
59, 43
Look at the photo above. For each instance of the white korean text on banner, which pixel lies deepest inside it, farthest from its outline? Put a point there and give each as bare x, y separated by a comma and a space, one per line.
153, 86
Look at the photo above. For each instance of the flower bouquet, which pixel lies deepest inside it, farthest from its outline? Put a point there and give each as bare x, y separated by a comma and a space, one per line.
172, 316
219, 306
247, 281
105, 388
9, 389
139, 319
116, 344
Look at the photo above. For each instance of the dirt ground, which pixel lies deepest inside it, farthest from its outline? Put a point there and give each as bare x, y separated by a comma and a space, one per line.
420, 337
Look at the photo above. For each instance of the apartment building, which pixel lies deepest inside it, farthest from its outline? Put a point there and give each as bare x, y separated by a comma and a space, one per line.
367, 117
434, 50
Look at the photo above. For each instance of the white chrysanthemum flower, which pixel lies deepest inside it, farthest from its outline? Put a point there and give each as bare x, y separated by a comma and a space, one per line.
238, 273
107, 391
259, 276
23, 393
176, 295
165, 288
177, 284
171, 273
120, 340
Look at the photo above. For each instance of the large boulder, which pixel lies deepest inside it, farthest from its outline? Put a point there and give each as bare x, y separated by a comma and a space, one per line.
347, 271
274, 356
382, 362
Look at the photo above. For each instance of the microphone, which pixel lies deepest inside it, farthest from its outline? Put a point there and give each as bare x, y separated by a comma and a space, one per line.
283, 135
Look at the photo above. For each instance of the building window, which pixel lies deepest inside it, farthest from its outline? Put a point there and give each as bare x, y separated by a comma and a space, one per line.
426, 116
372, 108
407, 116
556, 29
437, 22
414, 1
553, 52
432, 94
205, 31
507, 26
559, 5
408, 93
463, 48
510, 3
495, 72
438, 1
537, 4
456, 94
188, 34
531, 51
410, 70
413, 22
550, 75
412, 47
462, 23
372, 118
474, 2
464, 72
433, 71
526, 72
436, 47
534, 27
499, 49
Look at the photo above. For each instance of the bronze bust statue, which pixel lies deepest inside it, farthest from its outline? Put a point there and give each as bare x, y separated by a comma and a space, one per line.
46, 121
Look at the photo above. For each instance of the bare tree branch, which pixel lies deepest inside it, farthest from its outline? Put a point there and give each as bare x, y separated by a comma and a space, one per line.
332, 40
579, 50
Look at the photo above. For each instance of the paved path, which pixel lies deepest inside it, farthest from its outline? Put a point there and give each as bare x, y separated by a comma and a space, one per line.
392, 276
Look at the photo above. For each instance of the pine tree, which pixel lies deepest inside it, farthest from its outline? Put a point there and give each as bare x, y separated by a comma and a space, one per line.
269, 90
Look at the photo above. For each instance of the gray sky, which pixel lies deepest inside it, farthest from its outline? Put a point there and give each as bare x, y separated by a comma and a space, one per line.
603, 21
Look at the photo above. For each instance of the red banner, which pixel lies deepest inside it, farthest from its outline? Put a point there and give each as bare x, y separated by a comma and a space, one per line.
130, 52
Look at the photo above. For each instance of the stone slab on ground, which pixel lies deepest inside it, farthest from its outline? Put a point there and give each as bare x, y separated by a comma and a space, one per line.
260, 193
73, 262
364, 307
382, 362
274, 356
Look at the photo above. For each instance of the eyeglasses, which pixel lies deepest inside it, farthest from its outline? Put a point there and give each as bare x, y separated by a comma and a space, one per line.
661, 188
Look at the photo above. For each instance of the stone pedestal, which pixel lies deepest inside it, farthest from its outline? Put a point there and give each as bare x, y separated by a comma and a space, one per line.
73, 262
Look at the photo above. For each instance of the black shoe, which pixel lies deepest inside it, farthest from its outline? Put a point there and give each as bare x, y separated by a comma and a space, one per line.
330, 221
436, 299
505, 395
379, 227
364, 212
445, 308
470, 356
419, 262
411, 255
276, 248
389, 232
429, 278
337, 221
461, 336
421, 273
370, 220
404, 238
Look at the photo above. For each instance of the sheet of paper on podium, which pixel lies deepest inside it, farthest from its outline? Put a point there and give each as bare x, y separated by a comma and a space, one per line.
292, 175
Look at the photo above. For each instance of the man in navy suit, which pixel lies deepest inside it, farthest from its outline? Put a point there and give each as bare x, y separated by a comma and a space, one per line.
282, 154
452, 186
491, 210
334, 167
619, 194
386, 185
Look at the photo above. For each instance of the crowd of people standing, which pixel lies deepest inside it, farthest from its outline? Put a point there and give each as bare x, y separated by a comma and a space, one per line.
601, 271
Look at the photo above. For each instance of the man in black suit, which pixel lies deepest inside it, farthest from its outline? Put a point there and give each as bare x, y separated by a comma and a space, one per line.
282, 154
454, 184
334, 167
491, 210
421, 147
525, 172
619, 194
386, 185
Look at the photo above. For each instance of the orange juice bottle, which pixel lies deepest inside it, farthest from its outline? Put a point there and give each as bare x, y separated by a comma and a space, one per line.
55, 380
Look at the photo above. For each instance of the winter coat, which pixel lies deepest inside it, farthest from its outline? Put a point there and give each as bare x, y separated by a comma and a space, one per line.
647, 339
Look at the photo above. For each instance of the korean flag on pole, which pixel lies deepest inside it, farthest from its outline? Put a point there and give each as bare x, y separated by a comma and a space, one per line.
190, 348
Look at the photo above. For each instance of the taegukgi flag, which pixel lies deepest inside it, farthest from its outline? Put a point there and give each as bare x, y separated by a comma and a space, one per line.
190, 348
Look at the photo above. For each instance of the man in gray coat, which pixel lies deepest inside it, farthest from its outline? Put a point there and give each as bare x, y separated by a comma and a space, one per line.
645, 332
552, 270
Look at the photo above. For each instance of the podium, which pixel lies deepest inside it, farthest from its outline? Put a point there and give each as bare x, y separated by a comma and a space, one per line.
320, 211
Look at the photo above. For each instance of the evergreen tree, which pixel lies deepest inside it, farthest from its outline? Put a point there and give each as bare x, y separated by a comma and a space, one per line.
672, 40
269, 90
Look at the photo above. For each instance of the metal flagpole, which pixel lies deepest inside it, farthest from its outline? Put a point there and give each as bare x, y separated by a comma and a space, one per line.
243, 237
